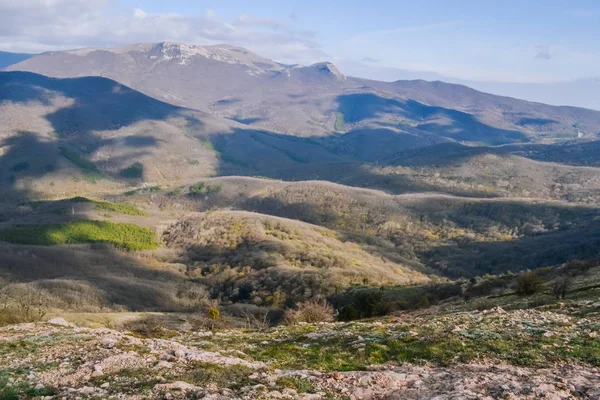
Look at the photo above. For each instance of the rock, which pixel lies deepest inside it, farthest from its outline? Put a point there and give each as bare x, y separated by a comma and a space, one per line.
337, 376
61, 322
179, 353
164, 364
39, 386
109, 342
176, 386
105, 385
87, 390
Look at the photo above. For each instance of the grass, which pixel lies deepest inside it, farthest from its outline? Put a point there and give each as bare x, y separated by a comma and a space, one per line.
120, 208
298, 384
90, 171
340, 124
126, 209
207, 145
232, 376
127, 236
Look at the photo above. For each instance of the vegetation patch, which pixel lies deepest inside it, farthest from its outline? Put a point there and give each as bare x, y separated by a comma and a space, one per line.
127, 236
340, 123
119, 208
203, 188
134, 171
232, 376
114, 207
90, 171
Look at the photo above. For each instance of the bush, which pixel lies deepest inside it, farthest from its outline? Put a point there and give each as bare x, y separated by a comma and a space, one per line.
197, 188
149, 326
529, 283
560, 287
23, 302
310, 312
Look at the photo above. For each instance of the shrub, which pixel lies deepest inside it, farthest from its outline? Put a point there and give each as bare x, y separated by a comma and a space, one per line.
149, 326
23, 302
310, 312
529, 283
560, 287
197, 188
213, 313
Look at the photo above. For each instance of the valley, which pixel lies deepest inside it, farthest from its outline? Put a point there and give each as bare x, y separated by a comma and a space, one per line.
203, 222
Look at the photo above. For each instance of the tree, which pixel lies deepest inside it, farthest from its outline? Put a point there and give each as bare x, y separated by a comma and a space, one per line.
529, 283
561, 286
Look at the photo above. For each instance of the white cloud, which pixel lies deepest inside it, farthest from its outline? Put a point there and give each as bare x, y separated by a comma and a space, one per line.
41, 25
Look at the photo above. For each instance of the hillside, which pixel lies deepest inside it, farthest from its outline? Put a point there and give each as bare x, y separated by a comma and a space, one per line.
65, 137
8, 59
316, 100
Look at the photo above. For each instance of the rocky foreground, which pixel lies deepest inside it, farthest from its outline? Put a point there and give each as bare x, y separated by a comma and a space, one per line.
365, 360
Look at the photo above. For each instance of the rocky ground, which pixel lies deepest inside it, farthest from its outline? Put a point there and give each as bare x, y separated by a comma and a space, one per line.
494, 354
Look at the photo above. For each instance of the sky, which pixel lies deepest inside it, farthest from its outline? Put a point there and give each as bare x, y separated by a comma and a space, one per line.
510, 46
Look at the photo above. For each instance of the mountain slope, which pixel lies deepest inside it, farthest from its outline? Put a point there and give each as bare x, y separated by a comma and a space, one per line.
316, 100
8, 59
72, 136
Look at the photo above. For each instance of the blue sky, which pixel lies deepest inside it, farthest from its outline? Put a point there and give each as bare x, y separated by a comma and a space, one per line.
515, 41
527, 42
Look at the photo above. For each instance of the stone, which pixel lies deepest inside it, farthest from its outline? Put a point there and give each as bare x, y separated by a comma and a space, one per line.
60, 322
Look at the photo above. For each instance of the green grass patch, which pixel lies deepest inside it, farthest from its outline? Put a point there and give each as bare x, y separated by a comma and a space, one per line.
127, 236
120, 208
298, 384
232, 376
207, 145
134, 171
340, 123
113, 207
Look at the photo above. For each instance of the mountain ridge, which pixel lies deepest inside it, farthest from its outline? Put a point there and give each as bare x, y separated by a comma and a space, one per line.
232, 82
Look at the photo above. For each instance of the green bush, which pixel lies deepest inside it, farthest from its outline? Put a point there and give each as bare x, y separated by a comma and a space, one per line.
202, 188
197, 188
128, 236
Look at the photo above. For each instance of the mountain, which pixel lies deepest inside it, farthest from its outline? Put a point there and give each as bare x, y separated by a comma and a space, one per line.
317, 100
80, 135
8, 59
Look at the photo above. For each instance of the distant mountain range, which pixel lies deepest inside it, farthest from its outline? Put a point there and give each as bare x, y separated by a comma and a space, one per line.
7, 59
317, 100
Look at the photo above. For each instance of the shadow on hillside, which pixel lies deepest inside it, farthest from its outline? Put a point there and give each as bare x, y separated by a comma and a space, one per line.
84, 107
278, 156
529, 252
123, 278
445, 122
